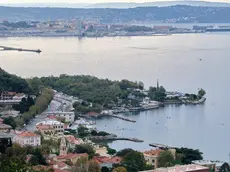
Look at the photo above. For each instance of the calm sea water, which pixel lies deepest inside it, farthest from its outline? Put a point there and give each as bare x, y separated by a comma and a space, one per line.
174, 60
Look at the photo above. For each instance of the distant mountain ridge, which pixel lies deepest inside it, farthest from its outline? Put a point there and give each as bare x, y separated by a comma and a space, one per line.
121, 5
171, 14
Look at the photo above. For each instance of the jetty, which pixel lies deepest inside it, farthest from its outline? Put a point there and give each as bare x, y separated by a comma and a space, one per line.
161, 146
119, 117
4, 48
113, 138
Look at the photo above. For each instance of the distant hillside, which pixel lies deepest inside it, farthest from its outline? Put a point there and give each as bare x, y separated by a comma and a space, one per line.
159, 4
176, 14
121, 5
13, 83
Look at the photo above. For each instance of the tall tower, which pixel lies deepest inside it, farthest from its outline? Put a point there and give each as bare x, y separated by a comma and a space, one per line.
157, 85
63, 147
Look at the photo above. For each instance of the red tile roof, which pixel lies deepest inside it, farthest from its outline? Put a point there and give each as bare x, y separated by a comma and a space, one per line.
60, 165
103, 159
71, 156
153, 152
58, 170
73, 140
27, 134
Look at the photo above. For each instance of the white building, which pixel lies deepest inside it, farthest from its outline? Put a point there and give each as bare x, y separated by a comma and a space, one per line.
69, 116
50, 127
27, 138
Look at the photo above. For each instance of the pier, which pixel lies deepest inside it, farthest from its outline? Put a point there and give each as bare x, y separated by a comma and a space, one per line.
119, 117
113, 138
161, 146
4, 48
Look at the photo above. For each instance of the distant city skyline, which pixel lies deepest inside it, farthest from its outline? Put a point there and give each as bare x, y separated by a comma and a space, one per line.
89, 1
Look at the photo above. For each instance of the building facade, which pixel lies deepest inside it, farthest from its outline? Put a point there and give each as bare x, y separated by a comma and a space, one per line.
68, 116
27, 138
50, 127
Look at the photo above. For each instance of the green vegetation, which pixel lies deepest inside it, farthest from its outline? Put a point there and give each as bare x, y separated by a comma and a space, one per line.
224, 168
134, 161
122, 153
24, 105
120, 169
166, 159
10, 121
14, 159
85, 148
201, 92
100, 133
13, 83
189, 155
138, 29
103, 93
40, 105
157, 94
86, 166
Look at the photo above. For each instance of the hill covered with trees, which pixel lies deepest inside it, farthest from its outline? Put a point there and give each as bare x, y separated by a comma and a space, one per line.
9, 82
175, 14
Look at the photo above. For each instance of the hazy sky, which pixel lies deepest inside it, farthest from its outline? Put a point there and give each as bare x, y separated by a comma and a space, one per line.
84, 1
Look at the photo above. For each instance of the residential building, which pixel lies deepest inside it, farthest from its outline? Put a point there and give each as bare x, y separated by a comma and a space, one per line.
182, 168
68, 116
72, 141
5, 128
27, 138
7, 95
107, 161
71, 158
152, 156
212, 165
61, 166
50, 127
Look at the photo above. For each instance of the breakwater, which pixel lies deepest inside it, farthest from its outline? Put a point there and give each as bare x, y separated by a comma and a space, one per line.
4, 48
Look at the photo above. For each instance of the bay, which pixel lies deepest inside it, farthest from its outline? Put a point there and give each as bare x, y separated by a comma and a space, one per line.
174, 60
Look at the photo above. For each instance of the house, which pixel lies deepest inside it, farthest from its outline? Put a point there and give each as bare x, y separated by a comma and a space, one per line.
68, 116
107, 161
152, 156
71, 157
72, 141
7, 95
68, 157
51, 127
182, 168
5, 128
61, 166
27, 138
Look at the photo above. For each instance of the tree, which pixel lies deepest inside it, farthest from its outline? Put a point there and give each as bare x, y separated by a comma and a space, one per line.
105, 169
201, 92
33, 160
86, 166
94, 166
10, 121
224, 168
120, 169
124, 152
165, 159
82, 131
85, 148
134, 161
189, 155
111, 151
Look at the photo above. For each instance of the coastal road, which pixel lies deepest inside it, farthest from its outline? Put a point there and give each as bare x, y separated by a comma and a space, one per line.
54, 105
